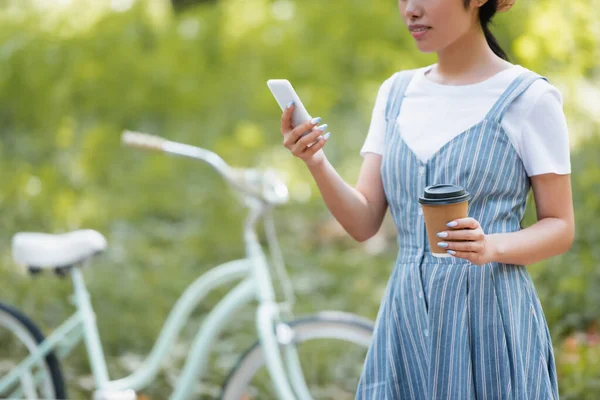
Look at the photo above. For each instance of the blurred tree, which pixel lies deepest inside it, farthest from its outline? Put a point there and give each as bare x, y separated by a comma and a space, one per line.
179, 5
73, 78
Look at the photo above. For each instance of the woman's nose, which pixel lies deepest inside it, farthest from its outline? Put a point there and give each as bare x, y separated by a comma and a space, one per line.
413, 9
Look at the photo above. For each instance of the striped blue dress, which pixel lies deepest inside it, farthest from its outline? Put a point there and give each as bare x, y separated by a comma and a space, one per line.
446, 328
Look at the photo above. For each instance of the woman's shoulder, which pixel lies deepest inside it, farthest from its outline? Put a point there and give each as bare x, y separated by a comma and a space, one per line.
387, 84
541, 88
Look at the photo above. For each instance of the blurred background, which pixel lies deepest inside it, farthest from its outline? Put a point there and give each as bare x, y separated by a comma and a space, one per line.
75, 73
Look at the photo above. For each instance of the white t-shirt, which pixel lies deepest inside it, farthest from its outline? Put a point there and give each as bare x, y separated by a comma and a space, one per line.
432, 114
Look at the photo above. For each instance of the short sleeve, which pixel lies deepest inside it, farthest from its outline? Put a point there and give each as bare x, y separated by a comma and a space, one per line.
374, 143
545, 136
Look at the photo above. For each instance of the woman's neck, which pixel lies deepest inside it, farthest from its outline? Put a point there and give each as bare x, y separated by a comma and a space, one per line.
466, 61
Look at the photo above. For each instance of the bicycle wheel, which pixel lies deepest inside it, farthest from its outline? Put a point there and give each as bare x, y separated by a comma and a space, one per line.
331, 347
19, 337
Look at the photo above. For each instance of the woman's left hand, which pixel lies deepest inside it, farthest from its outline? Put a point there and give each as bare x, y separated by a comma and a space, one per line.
476, 247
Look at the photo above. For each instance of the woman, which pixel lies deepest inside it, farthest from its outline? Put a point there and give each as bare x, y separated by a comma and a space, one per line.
471, 325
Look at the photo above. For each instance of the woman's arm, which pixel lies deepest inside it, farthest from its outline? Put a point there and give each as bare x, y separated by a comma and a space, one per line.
361, 209
551, 235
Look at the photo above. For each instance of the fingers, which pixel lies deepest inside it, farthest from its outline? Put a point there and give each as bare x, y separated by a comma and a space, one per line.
465, 239
304, 140
310, 137
312, 150
474, 247
299, 149
286, 118
464, 223
300, 130
463, 234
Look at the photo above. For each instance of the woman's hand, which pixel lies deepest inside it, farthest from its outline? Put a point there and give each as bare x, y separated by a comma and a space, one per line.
474, 245
306, 147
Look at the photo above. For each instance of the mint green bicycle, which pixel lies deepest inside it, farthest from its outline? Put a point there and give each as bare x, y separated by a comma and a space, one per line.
315, 357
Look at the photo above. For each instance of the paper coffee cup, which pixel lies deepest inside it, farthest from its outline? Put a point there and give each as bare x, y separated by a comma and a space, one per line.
442, 204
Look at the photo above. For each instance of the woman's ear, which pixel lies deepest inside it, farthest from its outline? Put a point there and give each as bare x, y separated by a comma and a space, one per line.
478, 3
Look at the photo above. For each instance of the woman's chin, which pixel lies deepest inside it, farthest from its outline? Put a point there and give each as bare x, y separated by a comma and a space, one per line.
426, 48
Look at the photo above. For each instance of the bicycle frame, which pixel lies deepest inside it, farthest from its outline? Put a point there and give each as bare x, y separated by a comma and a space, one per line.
256, 284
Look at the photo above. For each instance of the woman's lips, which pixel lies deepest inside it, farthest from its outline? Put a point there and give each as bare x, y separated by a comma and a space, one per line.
419, 31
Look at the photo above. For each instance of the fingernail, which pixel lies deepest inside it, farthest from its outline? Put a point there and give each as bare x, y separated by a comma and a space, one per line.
442, 234
326, 136
452, 224
291, 103
443, 244
451, 252
322, 127
315, 121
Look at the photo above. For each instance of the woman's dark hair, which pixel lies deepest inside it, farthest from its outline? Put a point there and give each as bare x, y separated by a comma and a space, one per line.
486, 12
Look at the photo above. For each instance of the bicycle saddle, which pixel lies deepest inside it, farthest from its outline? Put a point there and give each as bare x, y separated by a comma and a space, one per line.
46, 251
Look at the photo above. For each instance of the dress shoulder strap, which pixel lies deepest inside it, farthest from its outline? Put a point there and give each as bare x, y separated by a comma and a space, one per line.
399, 84
517, 87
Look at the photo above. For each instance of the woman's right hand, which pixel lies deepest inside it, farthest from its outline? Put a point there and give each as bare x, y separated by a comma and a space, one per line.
298, 144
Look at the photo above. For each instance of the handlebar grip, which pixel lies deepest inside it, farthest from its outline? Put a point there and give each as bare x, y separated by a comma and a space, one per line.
143, 140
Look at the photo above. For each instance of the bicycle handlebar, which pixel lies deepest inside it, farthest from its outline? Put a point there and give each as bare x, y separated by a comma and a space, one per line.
142, 140
263, 185
257, 184
152, 142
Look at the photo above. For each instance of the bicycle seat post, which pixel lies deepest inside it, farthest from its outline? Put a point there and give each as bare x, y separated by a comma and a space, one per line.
90, 329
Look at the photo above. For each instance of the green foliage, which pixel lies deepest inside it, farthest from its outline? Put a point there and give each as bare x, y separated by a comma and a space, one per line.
569, 285
578, 367
72, 78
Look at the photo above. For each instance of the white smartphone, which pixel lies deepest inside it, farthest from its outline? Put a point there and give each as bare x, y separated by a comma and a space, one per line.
284, 92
